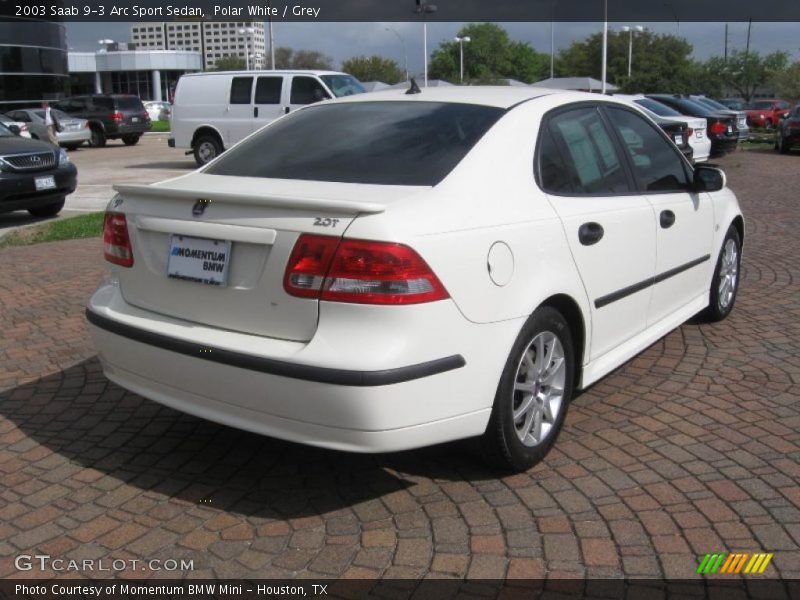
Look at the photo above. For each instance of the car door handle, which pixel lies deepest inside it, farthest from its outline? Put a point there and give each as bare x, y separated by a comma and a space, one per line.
286, 110
255, 111
590, 233
667, 219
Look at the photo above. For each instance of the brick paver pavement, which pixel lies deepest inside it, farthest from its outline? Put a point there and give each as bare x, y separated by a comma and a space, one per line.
692, 447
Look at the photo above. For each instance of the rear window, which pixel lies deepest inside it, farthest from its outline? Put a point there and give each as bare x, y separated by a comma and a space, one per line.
389, 143
128, 103
660, 109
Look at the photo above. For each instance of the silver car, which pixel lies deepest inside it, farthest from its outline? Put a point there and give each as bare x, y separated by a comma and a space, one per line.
158, 110
74, 131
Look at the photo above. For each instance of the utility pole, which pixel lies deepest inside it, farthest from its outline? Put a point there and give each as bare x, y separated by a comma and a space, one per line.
726, 43
605, 48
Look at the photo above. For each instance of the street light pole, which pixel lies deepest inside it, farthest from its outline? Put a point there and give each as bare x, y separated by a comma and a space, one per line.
423, 8
629, 31
271, 39
246, 33
605, 48
403, 42
461, 41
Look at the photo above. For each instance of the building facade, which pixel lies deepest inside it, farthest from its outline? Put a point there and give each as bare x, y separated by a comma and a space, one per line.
151, 75
213, 39
33, 62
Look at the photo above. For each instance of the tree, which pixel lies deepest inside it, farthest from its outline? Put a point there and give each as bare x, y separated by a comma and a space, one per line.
373, 68
229, 63
286, 58
661, 63
787, 82
489, 56
746, 72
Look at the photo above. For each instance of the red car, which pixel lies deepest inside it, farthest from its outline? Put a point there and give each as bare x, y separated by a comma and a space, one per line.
766, 113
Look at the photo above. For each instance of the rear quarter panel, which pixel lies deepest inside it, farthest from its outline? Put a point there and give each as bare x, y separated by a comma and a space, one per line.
200, 101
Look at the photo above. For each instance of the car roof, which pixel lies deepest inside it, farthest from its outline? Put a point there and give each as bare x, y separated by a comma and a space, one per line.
265, 72
497, 96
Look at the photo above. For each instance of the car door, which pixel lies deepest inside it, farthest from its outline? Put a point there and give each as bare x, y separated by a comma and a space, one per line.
685, 218
304, 90
610, 230
239, 114
268, 97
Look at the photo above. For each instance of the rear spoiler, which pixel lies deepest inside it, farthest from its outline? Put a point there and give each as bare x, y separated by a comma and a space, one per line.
258, 198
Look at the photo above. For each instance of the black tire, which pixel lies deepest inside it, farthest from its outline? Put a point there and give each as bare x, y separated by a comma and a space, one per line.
720, 305
783, 147
49, 210
98, 138
769, 125
503, 447
206, 148
130, 140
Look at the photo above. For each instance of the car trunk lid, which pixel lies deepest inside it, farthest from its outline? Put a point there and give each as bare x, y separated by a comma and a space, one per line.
255, 224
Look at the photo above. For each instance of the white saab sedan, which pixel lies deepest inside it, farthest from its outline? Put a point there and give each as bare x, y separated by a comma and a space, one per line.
393, 270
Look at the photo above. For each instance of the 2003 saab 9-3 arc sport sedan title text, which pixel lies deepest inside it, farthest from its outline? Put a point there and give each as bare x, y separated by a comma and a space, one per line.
391, 270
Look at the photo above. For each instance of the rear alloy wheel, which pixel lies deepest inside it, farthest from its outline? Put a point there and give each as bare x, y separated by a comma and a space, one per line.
98, 138
130, 140
206, 148
725, 283
49, 210
533, 394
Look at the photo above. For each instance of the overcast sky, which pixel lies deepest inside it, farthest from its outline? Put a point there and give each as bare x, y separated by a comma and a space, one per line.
344, 40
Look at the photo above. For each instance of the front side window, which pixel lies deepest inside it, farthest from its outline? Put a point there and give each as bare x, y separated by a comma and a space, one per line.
657, 165
307, 90
389, 143
588, 152
241, 89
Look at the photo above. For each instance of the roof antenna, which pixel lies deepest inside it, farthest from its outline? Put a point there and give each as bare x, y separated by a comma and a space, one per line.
413, 88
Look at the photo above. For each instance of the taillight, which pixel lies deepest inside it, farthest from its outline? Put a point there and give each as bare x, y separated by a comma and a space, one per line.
718, 128
116, 241
689, 132
86, 124
117, 116
793, 123
359, 271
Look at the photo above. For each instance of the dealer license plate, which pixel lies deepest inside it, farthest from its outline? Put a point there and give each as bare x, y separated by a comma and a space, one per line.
199, 259
135, 119
679, 140
44, 183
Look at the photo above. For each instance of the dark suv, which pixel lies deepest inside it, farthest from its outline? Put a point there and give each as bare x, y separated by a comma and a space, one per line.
110, 116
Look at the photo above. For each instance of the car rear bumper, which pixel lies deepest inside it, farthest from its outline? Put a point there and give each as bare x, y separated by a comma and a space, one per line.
75, 137
376, 387
18, 190
127, 129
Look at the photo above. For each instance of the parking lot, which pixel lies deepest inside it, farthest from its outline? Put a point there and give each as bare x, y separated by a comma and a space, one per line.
690, 448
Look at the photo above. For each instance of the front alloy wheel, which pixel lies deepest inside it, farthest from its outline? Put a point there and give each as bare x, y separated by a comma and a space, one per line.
725, 283
533, 393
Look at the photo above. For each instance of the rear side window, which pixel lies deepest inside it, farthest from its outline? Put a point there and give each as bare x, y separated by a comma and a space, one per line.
307, 90
241, 90
657, 165
555, 175
102, 103
389, 143
588, 153
268, 90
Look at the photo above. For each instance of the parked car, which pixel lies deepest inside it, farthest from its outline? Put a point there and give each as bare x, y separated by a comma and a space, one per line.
213, 111
788, 131
158, 110
16, 127
34, 175
734, 103
697, 138
720, 127
74, 131
401, 270
767, 113
110, 116
741, 116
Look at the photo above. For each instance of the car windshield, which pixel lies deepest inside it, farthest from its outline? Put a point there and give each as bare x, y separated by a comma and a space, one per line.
696, 109
711, 103
760, 105
343, 85
658, 108
388, 143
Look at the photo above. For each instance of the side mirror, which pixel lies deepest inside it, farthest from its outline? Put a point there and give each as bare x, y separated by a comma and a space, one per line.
709, 179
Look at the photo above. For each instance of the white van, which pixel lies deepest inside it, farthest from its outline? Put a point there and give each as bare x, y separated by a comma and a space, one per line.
212, 111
